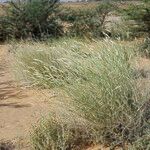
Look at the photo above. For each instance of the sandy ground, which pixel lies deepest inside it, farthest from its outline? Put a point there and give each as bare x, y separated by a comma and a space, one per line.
20, 108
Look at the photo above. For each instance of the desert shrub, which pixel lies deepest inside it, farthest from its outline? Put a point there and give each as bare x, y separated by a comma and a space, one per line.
4, 30
121, 30
54, 62
68, 14
32, 18
140, 14
92, 66
87, 22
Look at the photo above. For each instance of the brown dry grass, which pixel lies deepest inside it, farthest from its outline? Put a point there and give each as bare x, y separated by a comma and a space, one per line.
91, 5
80, 5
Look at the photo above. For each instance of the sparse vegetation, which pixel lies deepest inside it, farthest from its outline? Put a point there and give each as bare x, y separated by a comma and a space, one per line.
89, 23
98, 75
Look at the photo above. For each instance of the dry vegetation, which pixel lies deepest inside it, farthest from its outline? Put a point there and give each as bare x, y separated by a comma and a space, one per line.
102, 82
91, 5
99, 70
81, 5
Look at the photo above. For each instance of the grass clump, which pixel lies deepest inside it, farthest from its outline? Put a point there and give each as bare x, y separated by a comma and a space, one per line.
141, 143
144, 48
99, 80
53, 134
48, 65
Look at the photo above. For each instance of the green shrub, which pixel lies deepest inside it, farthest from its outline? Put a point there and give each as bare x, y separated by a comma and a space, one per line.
7, 145
32, 18
5, 30
68, 14
141, 15
88, 23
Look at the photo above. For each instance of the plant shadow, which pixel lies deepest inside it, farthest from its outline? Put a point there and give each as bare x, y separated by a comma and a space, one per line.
8, 90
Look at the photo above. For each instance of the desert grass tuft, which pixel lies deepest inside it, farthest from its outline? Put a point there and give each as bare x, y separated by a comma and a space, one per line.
98, 78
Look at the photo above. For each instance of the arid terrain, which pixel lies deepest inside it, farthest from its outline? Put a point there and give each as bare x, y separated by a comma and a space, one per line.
20, 108
75, 76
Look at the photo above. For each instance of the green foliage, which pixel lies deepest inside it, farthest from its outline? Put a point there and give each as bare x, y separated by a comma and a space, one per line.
32, 18
68, 14
141, 15
88, 23
5, 30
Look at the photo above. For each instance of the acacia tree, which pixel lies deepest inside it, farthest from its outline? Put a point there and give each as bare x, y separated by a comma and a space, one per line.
36, 18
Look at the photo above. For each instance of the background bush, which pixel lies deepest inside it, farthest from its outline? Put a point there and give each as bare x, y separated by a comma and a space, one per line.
43, 19
141, 15
88, 23
121, 30
31, 18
